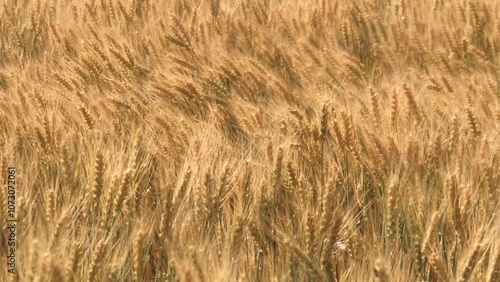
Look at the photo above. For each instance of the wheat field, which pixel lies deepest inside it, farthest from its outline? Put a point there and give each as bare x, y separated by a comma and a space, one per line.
251, 140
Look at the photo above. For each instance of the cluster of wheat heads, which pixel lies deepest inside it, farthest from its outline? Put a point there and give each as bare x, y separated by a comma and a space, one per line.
254, 140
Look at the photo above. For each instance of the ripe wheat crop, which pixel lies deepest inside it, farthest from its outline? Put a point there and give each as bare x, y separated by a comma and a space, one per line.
251, 140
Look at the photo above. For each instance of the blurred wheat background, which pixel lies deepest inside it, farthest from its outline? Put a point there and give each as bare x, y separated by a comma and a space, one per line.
258, 140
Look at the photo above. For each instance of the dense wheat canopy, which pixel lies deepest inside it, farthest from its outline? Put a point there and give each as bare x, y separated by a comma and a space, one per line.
251, 140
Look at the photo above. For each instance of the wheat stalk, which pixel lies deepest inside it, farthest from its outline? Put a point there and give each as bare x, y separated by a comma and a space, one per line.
98, 186
122, 192
89, 121
97, 258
